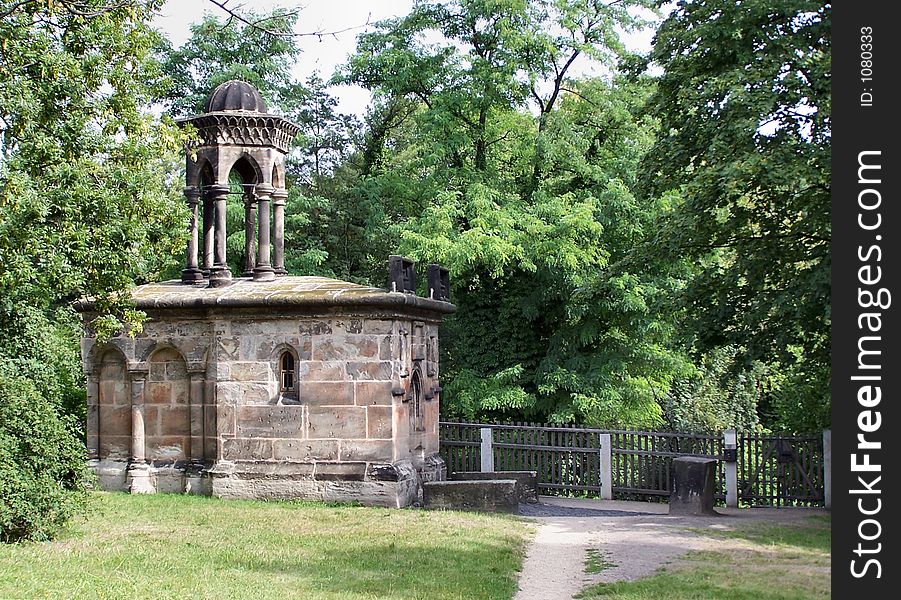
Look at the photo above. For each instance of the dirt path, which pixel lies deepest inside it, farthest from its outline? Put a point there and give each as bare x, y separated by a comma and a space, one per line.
637, 538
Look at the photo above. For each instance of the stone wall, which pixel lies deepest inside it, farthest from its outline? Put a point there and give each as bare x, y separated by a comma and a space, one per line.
209, 392
114, 408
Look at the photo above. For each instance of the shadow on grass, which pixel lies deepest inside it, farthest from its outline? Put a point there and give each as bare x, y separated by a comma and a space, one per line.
814, 533
392, 571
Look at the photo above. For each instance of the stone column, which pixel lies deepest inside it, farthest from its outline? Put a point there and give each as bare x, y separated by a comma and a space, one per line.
250, 216
92, 426
208, 223
220, 274
279, 198
138, 479
194, 472
263, 271
192, 273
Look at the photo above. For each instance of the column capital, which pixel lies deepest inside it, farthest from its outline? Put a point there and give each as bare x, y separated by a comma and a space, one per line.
279, 196
192, 193
263, 189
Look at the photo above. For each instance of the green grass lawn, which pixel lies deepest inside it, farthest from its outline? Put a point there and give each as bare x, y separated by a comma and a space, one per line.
174, 546
766, 562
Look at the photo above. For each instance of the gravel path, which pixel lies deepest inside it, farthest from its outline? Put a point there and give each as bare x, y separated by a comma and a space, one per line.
638, 538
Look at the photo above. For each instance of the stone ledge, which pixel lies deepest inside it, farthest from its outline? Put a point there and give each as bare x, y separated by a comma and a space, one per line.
305, 293
495, 495
526, 481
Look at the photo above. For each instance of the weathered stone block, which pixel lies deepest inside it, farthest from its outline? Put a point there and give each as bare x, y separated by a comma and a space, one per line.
114, 420
351, 325
526, 481
378, 326
346, 471
366, 450
315, 327
379, 422
270, 421
322, 371
115, 446
173, 420
241, 393
246, 449
158, 393
692, 488
176, 370
221, 419
498, 495
250, 371
165, 447
157, 372
305, 450
342, 422
318, 393
373, 392
330, 348
227, 349
370, 371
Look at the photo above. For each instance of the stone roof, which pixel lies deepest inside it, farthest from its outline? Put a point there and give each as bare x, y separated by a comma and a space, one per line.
235, 96
283, 292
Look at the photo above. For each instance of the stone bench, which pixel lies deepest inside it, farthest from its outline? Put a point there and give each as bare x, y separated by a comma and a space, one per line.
692, 486
526, 481
495, 495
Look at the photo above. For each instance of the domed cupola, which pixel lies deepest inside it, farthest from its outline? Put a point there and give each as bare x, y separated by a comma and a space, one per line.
237, 134
236, 96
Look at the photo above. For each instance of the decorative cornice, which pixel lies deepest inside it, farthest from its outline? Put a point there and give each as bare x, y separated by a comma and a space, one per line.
243, 129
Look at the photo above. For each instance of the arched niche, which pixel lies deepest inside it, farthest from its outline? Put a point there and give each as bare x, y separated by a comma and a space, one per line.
114, 407
167, 410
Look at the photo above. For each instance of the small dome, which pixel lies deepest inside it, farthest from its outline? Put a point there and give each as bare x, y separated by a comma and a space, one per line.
235, 96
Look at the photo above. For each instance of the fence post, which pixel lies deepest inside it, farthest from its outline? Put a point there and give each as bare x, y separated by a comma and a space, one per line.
606, 467
487, 451
827, 467
730, 443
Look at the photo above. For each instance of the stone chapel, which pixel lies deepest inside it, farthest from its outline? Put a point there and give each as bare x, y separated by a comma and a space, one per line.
259, 384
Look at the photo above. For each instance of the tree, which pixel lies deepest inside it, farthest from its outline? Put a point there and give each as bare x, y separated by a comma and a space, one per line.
744, 103
532, 211
85, 210
219, 51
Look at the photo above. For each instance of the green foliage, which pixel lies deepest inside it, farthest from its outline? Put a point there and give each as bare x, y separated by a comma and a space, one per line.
219, 51
490, 161
745, 104
85, 208
42, 347
42, 468
719, 395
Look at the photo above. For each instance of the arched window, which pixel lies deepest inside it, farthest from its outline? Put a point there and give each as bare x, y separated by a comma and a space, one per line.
287, 375
416, 409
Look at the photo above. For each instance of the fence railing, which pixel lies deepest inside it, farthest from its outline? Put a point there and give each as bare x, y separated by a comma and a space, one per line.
764, 469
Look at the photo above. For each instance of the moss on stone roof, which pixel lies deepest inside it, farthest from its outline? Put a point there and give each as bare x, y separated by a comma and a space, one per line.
289, 291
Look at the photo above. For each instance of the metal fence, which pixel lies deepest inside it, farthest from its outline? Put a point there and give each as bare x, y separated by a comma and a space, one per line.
636, 465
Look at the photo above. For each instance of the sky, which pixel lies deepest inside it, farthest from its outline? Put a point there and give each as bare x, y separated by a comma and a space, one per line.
324, 54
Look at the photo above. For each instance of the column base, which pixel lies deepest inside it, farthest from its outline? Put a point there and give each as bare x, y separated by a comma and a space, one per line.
220, 276
280, 271
191, 276
138, 479
263, 274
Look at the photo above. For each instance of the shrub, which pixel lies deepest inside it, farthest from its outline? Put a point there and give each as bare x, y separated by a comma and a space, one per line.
42, 463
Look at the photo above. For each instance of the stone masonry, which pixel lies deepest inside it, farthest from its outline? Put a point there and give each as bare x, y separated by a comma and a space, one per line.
193, 403
265, 385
